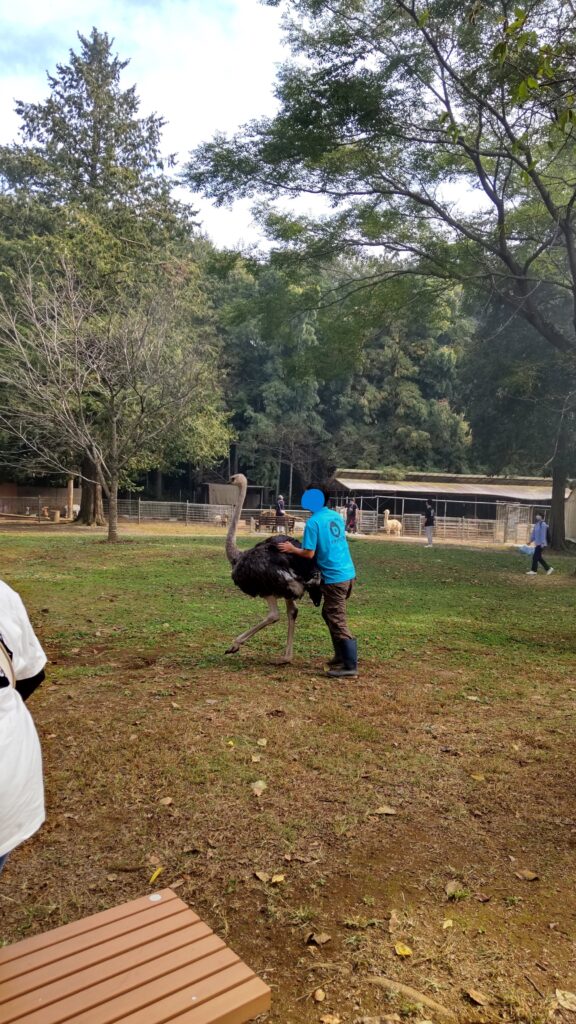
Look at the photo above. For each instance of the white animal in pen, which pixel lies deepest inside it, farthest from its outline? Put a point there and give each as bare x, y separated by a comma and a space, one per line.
393, 526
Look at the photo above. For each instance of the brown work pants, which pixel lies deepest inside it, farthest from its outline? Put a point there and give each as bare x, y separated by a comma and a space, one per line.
334, 608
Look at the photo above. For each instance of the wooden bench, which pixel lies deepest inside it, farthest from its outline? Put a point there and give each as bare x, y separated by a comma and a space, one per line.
267, 520
146, 962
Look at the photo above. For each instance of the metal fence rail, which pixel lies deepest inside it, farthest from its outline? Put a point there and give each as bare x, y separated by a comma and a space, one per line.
40, 507
458, 528
512, 525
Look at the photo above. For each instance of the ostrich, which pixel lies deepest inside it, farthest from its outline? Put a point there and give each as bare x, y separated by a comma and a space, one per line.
264, 571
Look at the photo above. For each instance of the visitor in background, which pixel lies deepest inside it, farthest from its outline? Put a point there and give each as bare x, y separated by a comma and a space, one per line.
280, 515
351, 516
22, 663
429, 519
540, 537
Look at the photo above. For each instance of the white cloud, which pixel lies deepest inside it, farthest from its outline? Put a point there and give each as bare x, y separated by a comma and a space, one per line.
204, 65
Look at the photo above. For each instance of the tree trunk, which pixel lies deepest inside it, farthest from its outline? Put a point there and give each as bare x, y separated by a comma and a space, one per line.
558, 509
91, 504
113, 510
158, 484
70, 498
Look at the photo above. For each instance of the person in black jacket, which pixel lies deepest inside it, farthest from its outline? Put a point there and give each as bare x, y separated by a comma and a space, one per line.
429, 517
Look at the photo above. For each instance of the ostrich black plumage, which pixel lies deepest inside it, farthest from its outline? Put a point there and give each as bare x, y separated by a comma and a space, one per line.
264, 571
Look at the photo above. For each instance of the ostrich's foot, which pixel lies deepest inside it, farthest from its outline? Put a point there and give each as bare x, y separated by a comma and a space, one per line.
233, 649
284, 660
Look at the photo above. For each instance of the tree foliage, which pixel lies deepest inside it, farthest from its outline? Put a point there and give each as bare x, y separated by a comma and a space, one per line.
441, 133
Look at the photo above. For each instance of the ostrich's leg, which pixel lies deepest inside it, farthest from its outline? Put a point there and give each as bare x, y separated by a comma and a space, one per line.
271, 618
292, 613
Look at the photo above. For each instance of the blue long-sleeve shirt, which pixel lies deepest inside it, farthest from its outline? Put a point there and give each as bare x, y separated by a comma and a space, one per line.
539, 534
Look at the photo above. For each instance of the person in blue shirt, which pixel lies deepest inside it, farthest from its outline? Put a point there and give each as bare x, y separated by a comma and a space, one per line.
325, 539
539, 537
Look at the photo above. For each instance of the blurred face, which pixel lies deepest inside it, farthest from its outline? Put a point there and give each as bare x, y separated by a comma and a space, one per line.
538, 519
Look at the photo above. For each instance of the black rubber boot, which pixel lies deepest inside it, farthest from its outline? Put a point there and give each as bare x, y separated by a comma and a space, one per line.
349, 668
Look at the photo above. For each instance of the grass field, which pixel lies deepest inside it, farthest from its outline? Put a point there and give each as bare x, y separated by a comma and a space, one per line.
462, 724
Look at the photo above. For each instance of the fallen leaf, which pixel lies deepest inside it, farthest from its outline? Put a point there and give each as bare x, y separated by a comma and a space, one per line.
178, 883
133, 737
482, 897
262, 743
262, 876
567, 1000
155, 875
329, 1018
319, 995
318, 939
479, 776
401, 950
384, 809
448, 923
230, 743
166, 801
258, 787
175, 705
277, 879
256, 758
111, 878
477, 997
470, 697
526, 875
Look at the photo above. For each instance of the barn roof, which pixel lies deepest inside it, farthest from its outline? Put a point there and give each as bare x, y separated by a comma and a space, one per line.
536, 490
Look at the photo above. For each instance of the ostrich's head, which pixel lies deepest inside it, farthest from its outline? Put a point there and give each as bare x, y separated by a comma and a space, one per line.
239, 480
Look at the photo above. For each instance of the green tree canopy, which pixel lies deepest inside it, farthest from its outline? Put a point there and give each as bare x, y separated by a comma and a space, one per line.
394, 110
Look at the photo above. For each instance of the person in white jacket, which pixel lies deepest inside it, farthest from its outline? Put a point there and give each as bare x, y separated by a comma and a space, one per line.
539, 537
22, 660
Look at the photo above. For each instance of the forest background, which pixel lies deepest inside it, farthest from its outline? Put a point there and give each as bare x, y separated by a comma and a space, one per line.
396, 332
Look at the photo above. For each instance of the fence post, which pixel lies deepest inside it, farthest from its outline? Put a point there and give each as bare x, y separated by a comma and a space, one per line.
39, 509
138, 508
186, 514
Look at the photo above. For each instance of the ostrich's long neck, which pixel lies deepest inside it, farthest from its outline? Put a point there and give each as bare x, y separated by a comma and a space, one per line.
232, 552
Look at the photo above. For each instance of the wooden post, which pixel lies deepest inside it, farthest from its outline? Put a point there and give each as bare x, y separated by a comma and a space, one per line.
290, 485
70, 498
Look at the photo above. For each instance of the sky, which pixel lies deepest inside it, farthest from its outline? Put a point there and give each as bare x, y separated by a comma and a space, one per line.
203, 65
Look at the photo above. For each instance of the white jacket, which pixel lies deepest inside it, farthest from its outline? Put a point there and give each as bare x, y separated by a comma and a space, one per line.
21, 784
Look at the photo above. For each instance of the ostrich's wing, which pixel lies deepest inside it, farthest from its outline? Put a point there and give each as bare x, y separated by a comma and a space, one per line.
304, 569
264, 571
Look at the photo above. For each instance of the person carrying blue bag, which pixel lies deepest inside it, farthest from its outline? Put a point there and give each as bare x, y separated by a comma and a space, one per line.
325, 539
540, 537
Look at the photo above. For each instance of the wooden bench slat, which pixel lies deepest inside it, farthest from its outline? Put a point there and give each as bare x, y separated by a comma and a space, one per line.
235, 1007
88, 924
142, 943
167, 919
156, 957
227, 982
161, 999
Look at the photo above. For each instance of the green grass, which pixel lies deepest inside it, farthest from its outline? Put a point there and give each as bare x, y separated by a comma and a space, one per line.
176, 593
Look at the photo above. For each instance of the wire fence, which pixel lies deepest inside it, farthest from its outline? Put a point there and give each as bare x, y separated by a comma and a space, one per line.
264, 521
512, 524
39, 508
